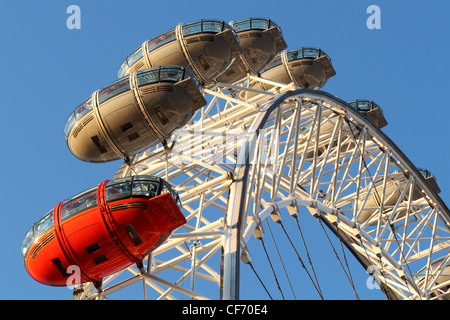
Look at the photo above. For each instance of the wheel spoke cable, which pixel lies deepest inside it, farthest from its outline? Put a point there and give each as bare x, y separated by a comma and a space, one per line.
271, 267
316, 285
260, 281
346, 272
306, 249
281, 260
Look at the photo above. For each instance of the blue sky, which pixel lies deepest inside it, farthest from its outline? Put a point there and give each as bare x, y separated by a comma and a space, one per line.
47, 70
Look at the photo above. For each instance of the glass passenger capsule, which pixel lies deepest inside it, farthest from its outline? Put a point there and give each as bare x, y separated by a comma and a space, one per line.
305, 67
430, 179
133, 113
206, 47
102, 230
367, 108
439, 271
260, 41
371, 110
395, 184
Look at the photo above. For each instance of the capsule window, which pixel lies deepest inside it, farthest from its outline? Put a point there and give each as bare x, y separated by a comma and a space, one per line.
79, 203
242, 25
39, 228
192, 28
83, 108
133, 136
27, 242
76, 115
202, 26
178, 201
273, 64
167, 189
260, 24
69, 125
304, 53
96, 141
113, 90
126, 126
171, 74
123, 69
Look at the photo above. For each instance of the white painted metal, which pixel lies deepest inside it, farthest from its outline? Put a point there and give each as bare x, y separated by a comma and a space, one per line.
240, 162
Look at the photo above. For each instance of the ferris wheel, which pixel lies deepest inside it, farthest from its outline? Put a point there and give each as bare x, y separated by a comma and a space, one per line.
261, 149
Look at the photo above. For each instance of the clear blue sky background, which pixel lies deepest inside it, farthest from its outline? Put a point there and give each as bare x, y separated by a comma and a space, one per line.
47, 70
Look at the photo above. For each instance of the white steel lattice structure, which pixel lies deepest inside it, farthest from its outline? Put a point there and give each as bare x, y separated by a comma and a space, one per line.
242, 161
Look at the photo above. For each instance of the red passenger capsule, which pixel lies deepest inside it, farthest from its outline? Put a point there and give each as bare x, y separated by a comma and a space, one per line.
305, 67
102, 230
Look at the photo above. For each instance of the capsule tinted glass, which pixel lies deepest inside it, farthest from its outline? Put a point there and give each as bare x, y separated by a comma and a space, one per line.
171, 74
79, 203
262, 24
212, 26
276, 62
44, 224
242, 25
123, 69
148, 76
